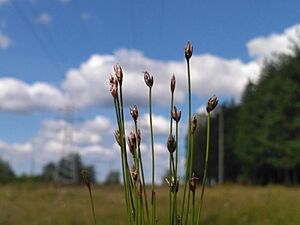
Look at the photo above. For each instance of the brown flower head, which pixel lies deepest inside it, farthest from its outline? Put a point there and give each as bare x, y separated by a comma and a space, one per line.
134, 173
175, 114
211, 103
173, 184
173, 83
148, 79
118, 137
194, 124
188, 51
113, 81
171, 144
86, 179
193, 183
132, 143
134, 112
119, 73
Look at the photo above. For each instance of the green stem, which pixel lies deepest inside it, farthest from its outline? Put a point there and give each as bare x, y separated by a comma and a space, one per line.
189, 134
193, 209
190, 172
142, 172
171, 124
205, 168
175, 174
152, 144
92, 205
124, 170
128, 178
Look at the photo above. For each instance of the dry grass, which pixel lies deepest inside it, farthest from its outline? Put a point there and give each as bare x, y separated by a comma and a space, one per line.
230, 204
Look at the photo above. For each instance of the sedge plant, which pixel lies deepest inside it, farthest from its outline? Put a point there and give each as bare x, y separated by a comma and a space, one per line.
136, 198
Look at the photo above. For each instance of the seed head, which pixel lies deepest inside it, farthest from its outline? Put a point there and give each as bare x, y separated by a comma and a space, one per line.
194, 124
113, 86
118, 137
188, 51
211, 103
173, 184
193, 183
173, 83
148, 79
175, 114
134, 112
86, 179
119, 73
171, 144
139, 137
134, 173
132, 143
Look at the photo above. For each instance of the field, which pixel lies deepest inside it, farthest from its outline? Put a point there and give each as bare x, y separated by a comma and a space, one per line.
27, 204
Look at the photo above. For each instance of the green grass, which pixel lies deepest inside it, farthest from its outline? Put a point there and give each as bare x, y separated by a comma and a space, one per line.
225, 205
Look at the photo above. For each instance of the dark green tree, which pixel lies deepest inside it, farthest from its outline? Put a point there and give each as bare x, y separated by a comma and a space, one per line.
6, 172
268, 133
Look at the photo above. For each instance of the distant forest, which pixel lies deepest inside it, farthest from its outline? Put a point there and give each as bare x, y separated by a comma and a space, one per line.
262, 133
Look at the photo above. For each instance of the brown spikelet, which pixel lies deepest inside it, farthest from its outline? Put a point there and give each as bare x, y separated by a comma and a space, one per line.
173, 83
171, 144
132, 143
134, 112
119, 73
211, 103
188, 51
175, 114
194, 124
148, 79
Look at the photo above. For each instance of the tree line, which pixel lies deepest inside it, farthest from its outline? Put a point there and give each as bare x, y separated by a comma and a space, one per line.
262, 133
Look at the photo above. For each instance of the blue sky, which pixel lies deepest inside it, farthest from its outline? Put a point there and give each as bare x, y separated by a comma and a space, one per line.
55, 53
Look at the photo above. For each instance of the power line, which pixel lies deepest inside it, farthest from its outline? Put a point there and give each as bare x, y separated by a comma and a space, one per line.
28, 24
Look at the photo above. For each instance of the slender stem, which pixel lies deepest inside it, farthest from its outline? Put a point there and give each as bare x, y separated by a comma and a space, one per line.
124, 172
92, 205
205, 168
142, 172
189, 134
127, 174
171, 124
193, 209
190, 172
152, 144
175, 174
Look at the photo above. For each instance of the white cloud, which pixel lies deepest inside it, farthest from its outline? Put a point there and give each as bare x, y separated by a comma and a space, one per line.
5, 41
18, 96
264, 47
210, 75
56, 138
3, 2
44, 19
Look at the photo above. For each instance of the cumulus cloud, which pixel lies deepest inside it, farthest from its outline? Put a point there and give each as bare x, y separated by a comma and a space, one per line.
18, 96
88, 86
56, 138
44, 19
210, 74
5, 41
92, 139
264, 47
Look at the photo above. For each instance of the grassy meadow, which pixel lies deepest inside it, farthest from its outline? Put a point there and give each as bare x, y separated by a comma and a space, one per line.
36, 204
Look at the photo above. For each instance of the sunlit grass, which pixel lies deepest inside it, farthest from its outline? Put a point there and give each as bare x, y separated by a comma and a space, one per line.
230, 204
